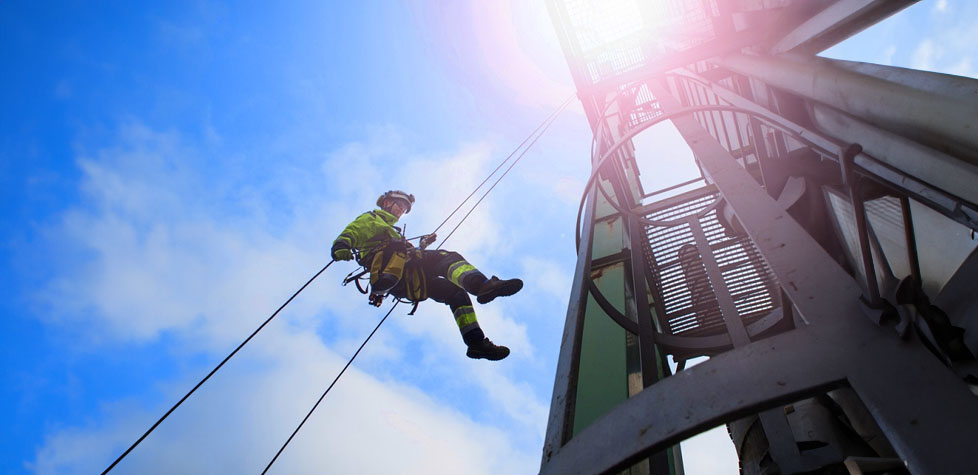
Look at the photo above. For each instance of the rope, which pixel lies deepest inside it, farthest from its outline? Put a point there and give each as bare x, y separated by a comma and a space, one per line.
549, 118
535, 136
337, 378
228, 357
545, 125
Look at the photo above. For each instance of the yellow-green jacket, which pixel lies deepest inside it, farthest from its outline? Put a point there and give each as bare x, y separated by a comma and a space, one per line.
367, 231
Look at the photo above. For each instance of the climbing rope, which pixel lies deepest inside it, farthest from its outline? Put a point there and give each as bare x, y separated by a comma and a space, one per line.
535, 135
337, 378
545, 125
228, 357
531, 139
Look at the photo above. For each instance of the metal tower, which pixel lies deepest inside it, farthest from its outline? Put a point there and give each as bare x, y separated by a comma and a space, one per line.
824, 261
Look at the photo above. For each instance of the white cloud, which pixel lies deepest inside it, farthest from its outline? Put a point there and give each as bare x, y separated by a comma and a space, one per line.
887, 57
238, 422
549, 276
926, 53
932, 36
963, 68
949, 47
516, 44
568, 189
157, 254
516, 399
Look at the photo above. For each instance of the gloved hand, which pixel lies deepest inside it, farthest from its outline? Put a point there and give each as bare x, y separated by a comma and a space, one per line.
341, 253
427, 239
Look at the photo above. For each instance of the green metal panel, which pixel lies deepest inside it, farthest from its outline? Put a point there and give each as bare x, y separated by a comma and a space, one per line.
608, 239
602, 379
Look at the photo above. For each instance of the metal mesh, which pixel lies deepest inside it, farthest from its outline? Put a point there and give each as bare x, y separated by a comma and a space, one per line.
643, 107
683, 285
611, 38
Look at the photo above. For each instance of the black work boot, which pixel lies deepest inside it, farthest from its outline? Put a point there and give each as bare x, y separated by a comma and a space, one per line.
494, 287
486, 349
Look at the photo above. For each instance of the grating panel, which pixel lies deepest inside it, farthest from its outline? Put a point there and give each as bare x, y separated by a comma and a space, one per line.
611, 38
644, 107
682, 283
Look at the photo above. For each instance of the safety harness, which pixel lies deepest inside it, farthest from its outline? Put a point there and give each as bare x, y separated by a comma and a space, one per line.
388, 263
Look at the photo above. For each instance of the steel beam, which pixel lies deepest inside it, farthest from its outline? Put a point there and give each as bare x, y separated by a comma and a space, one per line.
950, 174
731, 318
897, 380
934, 108
835, 23
828, 299
561, 423
901, 159
724, 388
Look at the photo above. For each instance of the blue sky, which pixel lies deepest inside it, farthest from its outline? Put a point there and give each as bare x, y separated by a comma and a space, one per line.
171, 173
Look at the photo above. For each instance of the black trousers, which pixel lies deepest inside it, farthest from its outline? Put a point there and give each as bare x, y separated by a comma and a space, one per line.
450, 279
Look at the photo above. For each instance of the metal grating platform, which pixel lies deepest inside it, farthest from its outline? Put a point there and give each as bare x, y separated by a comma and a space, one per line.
613, 38
683, 286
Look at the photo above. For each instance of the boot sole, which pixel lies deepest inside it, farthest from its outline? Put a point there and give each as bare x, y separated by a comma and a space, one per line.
506, 290
486, 356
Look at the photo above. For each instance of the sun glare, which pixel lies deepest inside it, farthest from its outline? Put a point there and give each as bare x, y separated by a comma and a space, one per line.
602, 23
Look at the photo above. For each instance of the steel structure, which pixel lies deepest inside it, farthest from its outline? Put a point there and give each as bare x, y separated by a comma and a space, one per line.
824, 261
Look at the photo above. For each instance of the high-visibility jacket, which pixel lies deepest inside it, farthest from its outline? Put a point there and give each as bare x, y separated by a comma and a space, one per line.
369, 230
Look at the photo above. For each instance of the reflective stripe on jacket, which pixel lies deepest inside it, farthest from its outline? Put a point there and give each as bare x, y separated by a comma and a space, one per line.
369, 230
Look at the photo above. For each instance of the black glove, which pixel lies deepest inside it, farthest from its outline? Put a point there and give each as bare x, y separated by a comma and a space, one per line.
341, 251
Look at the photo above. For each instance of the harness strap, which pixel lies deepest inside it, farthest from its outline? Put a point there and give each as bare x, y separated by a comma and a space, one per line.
411, 267
356, 277
363, 290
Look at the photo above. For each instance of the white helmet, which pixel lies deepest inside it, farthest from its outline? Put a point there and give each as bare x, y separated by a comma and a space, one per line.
397, 195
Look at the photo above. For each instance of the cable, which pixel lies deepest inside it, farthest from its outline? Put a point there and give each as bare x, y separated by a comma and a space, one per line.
549, 118
541, 129
337, 378
546, 125
202, 381
534, 135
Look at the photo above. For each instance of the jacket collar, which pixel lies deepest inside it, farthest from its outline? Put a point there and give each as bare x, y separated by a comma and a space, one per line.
387, 217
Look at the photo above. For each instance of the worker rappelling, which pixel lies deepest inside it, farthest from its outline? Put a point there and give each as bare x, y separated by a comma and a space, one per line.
406, 272
399, 269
